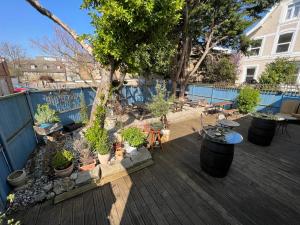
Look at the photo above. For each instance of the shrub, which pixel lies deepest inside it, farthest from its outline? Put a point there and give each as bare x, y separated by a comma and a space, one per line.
45, 114
62, 159
98, 138
280, 71
222, 70
134, 136
83, 110
248, 99
159, 107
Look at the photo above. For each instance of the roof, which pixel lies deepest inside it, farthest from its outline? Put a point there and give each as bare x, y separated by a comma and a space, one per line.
262, 21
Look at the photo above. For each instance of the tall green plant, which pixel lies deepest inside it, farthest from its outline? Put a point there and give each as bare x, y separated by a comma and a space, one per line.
83, 109
96, 135
281, 71
160, 104
134, 136
248, 99
45, 114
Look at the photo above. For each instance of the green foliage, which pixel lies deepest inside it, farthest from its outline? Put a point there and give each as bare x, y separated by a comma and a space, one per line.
281, 71
62, 159
226, 20
96, 135
222, 70
98, 138
134, 136
45, 114
10, 198
160, 105
5, 220
83, 110
248, 99
133, 33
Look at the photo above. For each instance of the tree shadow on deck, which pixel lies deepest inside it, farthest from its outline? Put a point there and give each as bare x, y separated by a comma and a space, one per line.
261, 187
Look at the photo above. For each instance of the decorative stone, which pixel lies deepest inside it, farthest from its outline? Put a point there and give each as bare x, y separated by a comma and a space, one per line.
58, 187
83, 178
50, 195
74, 176
48, 187
40, 196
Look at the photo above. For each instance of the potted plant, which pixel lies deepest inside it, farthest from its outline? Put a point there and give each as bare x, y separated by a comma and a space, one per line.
47, 120
160, 106
17, 178
133, 138
98, 138
62, 163
86, 161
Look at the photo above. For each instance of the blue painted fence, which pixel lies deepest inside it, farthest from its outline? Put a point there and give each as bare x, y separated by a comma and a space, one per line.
269, 101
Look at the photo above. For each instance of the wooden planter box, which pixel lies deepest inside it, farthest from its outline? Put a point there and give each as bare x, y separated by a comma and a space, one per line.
46, 129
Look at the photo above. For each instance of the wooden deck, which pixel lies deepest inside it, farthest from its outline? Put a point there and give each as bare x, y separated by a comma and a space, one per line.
262, 187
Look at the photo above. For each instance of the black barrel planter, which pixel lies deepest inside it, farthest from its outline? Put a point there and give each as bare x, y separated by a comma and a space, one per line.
216, 158
261, 131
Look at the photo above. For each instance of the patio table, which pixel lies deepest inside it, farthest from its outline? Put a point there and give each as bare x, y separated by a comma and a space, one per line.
228, 123
217, 150
283, 122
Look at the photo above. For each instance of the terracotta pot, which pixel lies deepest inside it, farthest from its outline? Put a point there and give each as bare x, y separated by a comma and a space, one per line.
103, 159
165, 135
17, 178
88, 167
65, 172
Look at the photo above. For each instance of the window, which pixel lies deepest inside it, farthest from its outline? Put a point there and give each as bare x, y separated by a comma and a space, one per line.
255, 47
284, 42
250, 72
32, 66
293, 11
58, 67
45, 67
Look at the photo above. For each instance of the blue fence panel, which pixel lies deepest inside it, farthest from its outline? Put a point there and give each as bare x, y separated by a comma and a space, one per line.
195, 92
65, 102
137, 94
4, 172
220, 95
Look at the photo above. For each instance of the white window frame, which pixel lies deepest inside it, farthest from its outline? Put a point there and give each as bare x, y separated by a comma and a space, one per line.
256, 67
293, 4
260, 48
33, 66
291, 43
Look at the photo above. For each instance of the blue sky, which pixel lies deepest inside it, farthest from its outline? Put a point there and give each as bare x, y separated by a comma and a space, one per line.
19, 22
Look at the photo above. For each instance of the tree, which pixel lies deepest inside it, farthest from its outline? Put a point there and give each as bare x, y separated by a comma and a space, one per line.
122, 29
280, 71
15, 56
76, 58
219, 70
207, 24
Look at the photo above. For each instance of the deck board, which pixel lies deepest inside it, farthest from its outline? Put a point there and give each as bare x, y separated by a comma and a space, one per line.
262, 187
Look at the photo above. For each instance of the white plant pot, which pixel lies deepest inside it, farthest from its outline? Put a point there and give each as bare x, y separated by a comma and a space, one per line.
17, 178
104, 159
165, 135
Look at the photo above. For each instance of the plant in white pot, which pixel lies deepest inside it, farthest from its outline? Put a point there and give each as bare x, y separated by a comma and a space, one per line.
160, 106
98, 138
47, 120
133, 138
62, 163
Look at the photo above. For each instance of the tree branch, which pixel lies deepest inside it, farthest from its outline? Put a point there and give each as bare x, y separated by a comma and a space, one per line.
35, 4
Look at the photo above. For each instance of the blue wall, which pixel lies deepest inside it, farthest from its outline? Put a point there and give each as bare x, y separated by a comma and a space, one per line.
270, 101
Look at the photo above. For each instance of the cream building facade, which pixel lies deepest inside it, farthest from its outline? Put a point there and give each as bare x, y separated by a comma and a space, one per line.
276, 35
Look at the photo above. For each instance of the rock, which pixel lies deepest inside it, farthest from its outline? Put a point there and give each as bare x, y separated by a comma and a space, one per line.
48, 187
74, 176
95, 173
50, 195
40, 196
68, 184
58, 187
83, 178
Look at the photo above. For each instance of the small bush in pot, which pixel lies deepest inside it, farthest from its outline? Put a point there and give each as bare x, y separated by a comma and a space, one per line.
98, 138
134, 136
62, 163
45, 114
248, 99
